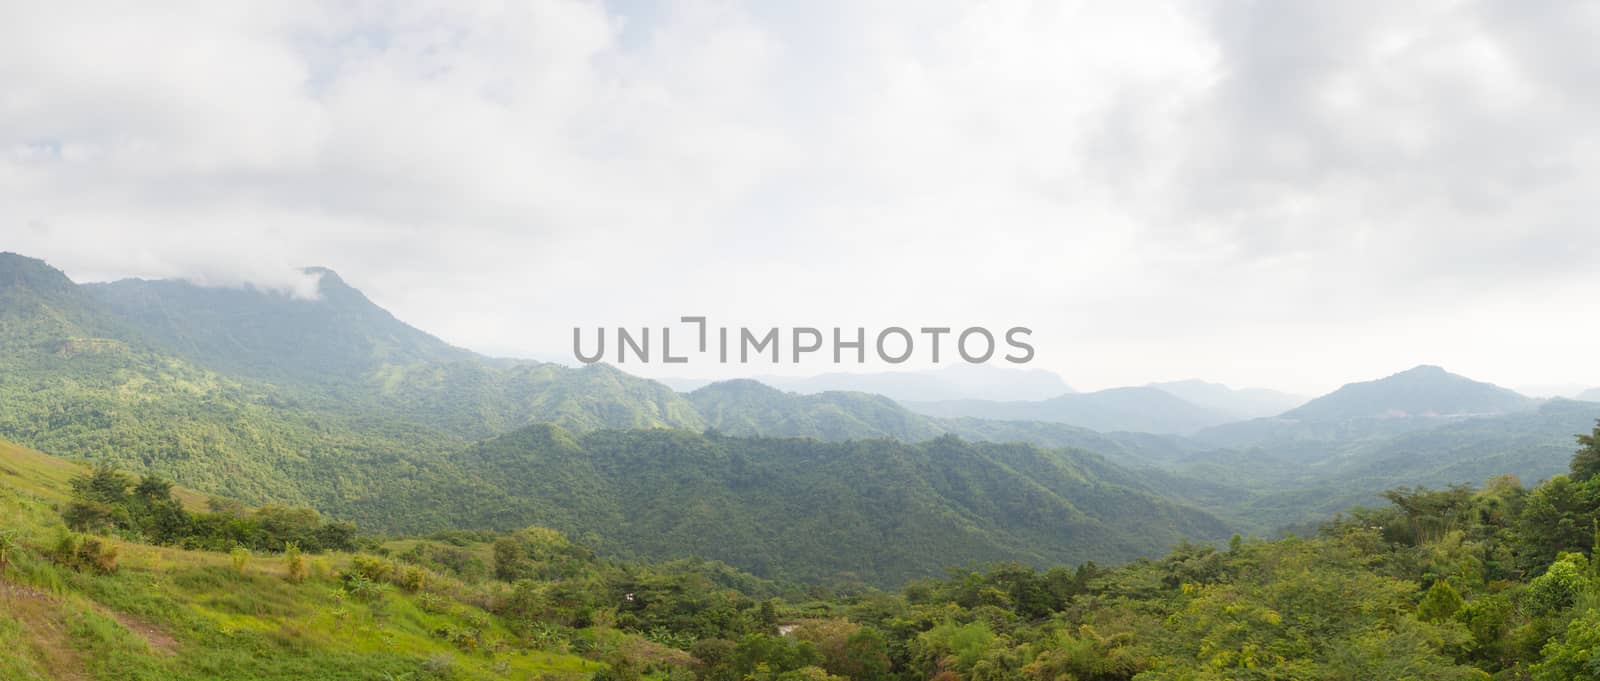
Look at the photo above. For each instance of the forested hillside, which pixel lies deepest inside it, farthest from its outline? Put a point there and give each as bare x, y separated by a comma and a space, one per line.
877, 511
345, 353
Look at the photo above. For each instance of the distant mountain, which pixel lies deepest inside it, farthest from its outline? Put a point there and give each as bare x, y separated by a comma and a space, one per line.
1590, 395
1273, 490
1415, 399
1243, 403
1424, 391
1146, 410
952, 382
881, 511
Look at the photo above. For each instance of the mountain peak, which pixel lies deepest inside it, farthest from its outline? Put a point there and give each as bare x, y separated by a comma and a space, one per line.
18, 270
739, 386
1424, 370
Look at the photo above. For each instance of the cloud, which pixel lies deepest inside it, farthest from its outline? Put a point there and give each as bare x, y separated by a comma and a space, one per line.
1160, 188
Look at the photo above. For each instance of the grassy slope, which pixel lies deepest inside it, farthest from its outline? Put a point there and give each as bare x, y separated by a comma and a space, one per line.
175, 614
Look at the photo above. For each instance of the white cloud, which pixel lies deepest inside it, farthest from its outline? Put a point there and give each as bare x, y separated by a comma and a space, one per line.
1161, 189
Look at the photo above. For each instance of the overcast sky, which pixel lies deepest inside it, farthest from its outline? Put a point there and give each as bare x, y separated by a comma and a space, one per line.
1288, 195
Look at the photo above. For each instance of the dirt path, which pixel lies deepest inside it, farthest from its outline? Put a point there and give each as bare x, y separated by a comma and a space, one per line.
41, 617
44, 620
160, 641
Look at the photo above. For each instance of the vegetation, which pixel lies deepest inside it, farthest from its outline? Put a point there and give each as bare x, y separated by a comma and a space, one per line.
876, 512
1498, 582
108, 501
112, 605
567, 524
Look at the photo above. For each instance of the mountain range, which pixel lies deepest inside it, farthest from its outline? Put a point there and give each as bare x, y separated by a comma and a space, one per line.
333, 402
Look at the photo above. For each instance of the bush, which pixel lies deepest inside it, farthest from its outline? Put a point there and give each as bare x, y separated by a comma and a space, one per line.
412, 579
370, 568
295, 561
433, 603
85, 553
240, 556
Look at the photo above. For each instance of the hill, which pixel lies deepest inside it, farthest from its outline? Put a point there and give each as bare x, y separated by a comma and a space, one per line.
749, 408
1243, 403
1147, 410
1590, 395
878, 511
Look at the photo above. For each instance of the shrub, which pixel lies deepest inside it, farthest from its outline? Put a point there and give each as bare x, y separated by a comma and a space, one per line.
433, 603
371, 568
412, 579
86, 553
240, 556
295, 561
363, 589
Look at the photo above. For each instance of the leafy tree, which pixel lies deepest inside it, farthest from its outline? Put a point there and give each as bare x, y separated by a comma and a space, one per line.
1441, 603
1586, 461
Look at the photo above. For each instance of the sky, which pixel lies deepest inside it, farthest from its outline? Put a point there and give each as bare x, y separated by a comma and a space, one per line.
1284, 195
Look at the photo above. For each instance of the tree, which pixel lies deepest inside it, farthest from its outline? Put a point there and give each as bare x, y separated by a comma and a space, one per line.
1441, 603
153, 488
1586, 462
103, 484
1559, 587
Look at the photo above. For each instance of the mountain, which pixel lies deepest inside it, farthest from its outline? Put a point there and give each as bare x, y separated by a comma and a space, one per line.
1147, 410
1590, 395
953, 382
880, 511
338, 336
1424, 391
41, 310
1418, 398
345, 353
82, 377
1243, 403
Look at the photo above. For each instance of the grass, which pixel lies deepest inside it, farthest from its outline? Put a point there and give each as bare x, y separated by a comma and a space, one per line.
172, 614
